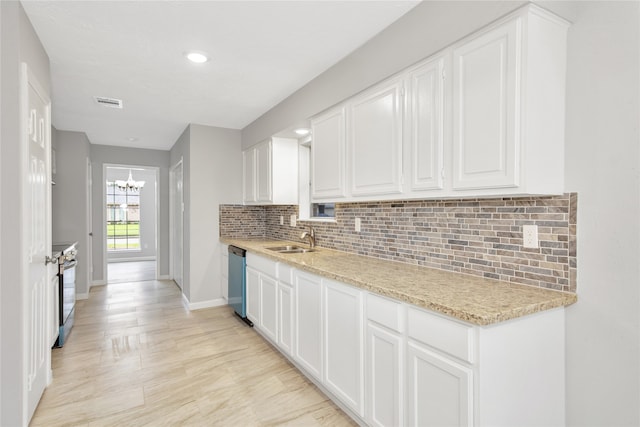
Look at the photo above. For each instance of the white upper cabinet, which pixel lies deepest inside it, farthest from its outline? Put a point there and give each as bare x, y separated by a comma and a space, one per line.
270, 172
484, 117
264, 172
424, 161
508, 106
328, 155
375, 140
249, 175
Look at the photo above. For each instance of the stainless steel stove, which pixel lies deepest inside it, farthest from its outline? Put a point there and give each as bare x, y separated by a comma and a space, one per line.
66, 255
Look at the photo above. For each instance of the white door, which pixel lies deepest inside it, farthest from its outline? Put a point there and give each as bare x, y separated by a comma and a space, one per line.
285, 317
485, 95
384, 377
177, 223
439, 390
425, 118
37, 234
253, 295
308, 323
269, 307
328, 155
375, 140
343, 344
263, 172
249, 175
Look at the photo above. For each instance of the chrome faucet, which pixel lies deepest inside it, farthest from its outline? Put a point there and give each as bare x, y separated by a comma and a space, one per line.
311, 236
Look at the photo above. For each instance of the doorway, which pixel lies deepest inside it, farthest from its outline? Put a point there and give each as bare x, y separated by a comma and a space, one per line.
130, 209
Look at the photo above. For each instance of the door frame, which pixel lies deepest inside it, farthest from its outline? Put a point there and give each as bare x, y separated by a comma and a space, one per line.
103, 203
172, 221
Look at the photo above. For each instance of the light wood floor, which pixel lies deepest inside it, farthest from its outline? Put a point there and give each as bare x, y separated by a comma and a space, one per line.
137, 357
131, 271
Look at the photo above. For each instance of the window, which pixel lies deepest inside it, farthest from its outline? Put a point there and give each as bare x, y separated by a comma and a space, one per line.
123, 218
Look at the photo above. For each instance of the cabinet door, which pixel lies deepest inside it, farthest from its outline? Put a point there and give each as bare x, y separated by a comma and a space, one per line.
384, 377
308, 328
328, 155
269, 307
253, 295
224, 272
343, 344
248, 175
375, 140
264, 172
439, 390
486, 109
425, 119
285, 317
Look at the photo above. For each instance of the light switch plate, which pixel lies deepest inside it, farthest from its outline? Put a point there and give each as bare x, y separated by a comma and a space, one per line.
281, 220
358, 225
292, 221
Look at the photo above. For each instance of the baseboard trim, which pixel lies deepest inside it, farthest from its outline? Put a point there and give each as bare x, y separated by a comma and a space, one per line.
82, 296
218, 302
98, 283
164, 277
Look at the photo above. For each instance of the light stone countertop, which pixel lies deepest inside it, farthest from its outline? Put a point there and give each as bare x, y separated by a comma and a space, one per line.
468, 298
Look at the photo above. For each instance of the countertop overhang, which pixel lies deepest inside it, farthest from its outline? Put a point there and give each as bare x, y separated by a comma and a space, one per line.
472, 299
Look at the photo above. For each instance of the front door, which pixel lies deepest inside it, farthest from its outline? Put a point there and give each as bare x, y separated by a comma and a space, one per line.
37, 234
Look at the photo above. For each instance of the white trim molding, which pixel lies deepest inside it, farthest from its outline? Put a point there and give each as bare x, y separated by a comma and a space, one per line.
218, 302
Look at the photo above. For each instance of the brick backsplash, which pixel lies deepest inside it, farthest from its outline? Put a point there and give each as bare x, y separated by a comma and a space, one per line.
482, 237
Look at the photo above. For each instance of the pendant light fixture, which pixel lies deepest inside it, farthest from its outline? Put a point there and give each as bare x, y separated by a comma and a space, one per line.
129, 184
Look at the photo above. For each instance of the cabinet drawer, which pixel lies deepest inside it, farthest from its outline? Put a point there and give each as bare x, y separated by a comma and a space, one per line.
285, 273
385, 312
443, 334
263, 265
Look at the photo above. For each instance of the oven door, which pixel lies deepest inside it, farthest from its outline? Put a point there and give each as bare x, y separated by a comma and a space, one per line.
67, 290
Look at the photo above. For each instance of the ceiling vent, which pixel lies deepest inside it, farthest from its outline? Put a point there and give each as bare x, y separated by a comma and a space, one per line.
109, 102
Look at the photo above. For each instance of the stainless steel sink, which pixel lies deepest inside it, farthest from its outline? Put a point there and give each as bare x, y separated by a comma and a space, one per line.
290, 249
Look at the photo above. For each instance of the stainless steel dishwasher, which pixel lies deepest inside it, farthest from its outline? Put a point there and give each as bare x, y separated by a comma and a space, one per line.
238, 282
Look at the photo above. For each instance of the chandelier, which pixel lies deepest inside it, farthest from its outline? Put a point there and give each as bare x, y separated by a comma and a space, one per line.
129, 184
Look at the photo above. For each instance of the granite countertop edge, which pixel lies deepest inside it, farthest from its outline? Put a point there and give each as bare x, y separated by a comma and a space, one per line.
468, 298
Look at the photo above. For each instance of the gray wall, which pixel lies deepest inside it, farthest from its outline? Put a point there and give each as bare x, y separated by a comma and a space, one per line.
147, 213
103, 154
423, 31
18, 42
69, 198
212, 167
602, 162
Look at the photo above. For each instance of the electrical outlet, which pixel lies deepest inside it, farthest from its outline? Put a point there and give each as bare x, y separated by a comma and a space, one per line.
357, 225
530, 236
281, 220
292, 221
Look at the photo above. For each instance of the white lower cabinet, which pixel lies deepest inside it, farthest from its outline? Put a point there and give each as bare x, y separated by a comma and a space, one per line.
269, 307
390, 363
285, 317
308, 323
343, 344
439, 390
385, 382
253, 295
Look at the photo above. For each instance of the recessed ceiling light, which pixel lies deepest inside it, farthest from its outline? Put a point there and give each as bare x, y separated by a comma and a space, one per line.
197, 57
302, 131
132, 139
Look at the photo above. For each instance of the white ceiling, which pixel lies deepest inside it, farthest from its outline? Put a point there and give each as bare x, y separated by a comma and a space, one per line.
262, 51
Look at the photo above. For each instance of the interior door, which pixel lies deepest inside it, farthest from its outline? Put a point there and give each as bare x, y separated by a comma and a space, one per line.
177, 223
37, 235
